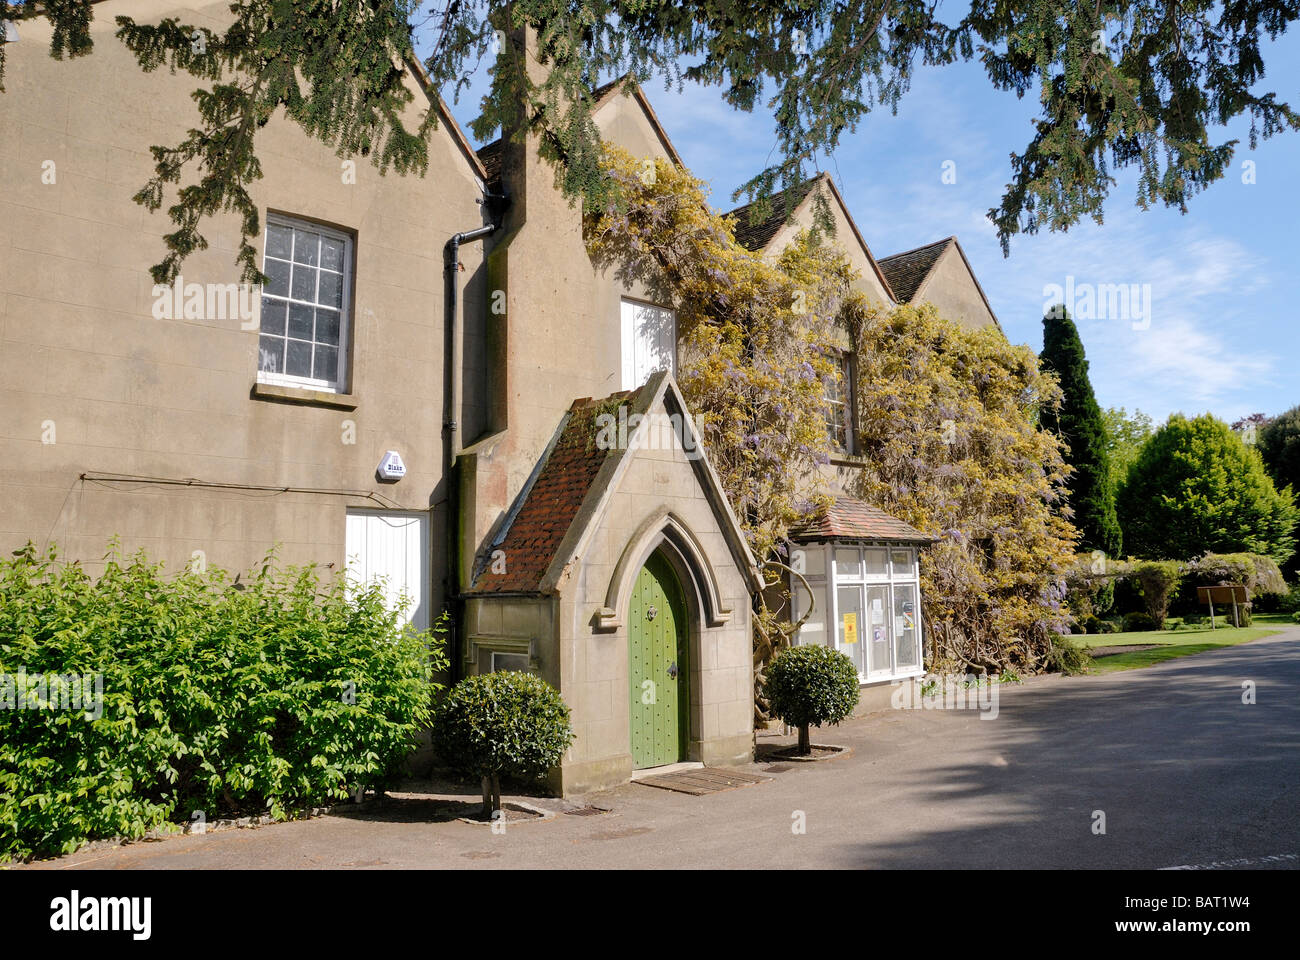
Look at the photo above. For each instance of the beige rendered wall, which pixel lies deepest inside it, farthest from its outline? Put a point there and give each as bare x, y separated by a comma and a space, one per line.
559, 337
952, 290
845, 238
127, 393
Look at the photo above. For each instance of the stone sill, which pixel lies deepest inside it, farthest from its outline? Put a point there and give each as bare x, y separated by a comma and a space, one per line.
848, 460
303, 396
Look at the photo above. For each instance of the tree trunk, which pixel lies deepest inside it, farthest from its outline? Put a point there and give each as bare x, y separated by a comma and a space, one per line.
805, 741
487, 797
496, 793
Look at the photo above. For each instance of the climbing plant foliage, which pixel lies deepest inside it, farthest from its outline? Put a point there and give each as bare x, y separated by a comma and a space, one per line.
948, 417
951, 442
1120, 84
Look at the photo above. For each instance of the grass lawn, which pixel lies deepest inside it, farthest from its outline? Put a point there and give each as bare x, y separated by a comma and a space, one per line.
1177, 643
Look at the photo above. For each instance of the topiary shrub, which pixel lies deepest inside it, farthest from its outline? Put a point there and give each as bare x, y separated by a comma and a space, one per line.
811, 685
508, 722
277, 693
1139, 621
1296, 616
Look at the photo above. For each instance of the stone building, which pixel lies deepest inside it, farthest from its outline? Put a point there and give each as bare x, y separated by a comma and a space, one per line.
417, 394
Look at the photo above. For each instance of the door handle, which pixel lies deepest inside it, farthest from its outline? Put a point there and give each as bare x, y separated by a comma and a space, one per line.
672, 671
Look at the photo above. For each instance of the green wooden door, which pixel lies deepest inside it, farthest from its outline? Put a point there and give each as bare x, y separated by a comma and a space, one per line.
657, 667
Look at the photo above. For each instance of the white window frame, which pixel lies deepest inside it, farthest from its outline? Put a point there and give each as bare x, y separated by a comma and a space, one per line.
838, 396
834, 579
628, 340
340, 385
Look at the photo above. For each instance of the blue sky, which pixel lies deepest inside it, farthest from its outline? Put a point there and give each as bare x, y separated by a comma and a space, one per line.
1217, 339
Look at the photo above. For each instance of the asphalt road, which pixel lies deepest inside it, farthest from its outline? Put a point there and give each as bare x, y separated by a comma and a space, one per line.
1185, 773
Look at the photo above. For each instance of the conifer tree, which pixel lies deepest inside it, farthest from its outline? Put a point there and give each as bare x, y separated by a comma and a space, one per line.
1080, 425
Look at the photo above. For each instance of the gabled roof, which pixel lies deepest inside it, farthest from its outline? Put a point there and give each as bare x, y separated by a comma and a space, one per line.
849, 519
911, 271
568, 491
908, 271
757, 237
491, 155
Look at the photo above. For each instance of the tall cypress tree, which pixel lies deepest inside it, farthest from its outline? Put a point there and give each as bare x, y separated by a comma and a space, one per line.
1079, 423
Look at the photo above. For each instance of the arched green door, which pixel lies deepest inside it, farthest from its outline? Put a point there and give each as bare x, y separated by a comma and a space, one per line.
657, 666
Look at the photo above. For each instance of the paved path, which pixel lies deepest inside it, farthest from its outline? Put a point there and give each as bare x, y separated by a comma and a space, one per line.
1186, 774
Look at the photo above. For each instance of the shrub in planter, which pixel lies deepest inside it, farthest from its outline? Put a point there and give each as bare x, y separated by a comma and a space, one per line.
1139, 621
811, 685
283, 693
508, 722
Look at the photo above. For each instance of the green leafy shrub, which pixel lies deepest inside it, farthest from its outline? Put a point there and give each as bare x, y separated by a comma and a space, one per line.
1296, 616
1158, 581
1139, 621
1068, 657
811, 685
276, 693
1098, 625
507, 722
1290, 603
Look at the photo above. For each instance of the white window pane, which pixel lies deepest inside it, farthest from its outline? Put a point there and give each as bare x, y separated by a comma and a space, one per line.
297, 360
304, 283
277, 276
878, 628
301, 321
810, 560
848, 562
849, 629
331, 253
272, 318
907, 652
270, 355
330, 293
327, 327
509, 661
902, 562
325, 366
306, 246
877, 561
279, 241
814, 630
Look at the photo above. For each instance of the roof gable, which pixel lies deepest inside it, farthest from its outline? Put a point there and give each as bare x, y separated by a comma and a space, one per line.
565, 498
908, 271
911, 271
785, 204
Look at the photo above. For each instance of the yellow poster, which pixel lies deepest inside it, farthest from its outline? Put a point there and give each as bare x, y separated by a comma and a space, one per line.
850, 628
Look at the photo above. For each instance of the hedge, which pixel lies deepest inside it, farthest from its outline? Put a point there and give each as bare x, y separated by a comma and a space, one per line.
229, 698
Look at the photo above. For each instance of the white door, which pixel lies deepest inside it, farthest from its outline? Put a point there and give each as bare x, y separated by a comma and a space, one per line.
649, 336
393, 546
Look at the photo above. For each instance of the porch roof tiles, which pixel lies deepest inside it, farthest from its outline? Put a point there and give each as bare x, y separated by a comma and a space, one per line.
849, 519
551, 502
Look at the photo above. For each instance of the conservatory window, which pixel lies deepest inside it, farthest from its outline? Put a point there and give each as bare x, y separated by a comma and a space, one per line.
865, 601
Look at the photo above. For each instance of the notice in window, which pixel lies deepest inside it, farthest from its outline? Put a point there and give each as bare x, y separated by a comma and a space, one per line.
877, 611
850, 630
